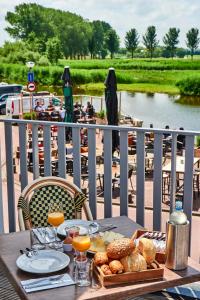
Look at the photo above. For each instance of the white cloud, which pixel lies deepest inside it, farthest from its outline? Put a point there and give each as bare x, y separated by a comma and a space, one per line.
124, 14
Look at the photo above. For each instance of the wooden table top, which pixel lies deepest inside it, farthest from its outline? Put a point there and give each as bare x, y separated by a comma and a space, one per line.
180, 164
9, 251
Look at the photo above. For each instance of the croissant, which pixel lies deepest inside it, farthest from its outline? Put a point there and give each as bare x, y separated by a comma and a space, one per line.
106, 270
147, 249
134, 262
116, 267
100, 258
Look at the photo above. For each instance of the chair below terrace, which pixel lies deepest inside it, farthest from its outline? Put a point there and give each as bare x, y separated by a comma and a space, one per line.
34, 201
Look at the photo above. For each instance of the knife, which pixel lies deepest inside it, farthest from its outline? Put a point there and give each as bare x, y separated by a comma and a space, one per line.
106, 228
45, 281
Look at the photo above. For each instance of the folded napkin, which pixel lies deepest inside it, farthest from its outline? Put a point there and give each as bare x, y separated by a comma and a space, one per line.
191, 290
45, 283
44, 235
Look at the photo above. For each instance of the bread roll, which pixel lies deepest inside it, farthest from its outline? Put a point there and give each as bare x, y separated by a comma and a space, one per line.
100, 258
106, 270
120, 248
134, 262
147, 249
116, 267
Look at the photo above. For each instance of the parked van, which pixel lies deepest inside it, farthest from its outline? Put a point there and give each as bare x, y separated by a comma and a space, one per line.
7, 90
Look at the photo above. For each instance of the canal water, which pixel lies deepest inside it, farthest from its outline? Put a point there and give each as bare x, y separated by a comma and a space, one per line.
159, 110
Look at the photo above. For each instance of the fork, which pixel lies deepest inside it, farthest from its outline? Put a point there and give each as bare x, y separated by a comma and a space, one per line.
44, 281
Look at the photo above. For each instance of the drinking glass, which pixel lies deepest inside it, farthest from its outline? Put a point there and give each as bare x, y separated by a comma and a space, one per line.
81, 244
55, 218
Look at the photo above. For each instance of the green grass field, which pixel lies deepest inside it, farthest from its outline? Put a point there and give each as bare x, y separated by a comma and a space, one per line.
138, 75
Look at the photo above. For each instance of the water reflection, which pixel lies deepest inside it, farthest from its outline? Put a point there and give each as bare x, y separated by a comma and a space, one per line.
189, 100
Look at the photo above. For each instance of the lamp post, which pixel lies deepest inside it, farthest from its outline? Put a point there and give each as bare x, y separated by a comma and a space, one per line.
31, 84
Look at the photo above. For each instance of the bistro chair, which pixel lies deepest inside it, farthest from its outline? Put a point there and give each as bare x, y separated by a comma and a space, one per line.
34, 201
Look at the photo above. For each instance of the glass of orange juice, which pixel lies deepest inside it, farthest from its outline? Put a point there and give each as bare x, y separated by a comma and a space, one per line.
81, 244
55, 218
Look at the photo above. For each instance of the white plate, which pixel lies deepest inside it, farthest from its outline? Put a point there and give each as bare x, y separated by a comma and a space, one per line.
46, 261
82, 224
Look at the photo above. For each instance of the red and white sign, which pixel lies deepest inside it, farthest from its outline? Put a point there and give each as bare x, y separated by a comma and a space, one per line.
31, 86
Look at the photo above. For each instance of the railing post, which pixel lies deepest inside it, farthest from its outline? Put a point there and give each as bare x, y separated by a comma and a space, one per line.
23, 156
124, 173
188, 179
157, 182
10, 177
92, 171
76, 155
140, 179
1, 196
107, 177
61, 152
173, 173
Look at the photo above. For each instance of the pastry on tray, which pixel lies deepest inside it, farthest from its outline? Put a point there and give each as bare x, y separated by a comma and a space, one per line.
120, 248
116, 267
147, 249
106, 270
100, 258
134, 262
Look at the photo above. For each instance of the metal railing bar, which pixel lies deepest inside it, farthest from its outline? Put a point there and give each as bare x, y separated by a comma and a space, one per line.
92, 171
157, 182
61, 152
1, 197
76, 156
124, 173
23, 156
47, 151
10, 177
140, 179
35, 151
107, 176
173, 173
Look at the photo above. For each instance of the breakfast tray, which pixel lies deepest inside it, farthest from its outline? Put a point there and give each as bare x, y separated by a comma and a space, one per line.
156, 272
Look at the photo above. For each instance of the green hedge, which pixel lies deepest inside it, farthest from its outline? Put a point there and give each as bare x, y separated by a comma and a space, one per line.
189, 86
52, 75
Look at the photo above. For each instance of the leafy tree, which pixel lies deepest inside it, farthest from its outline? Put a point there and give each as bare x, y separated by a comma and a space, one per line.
149, 40
171, 40
192, 40
54, 50
132, 40
112, 42
26, 19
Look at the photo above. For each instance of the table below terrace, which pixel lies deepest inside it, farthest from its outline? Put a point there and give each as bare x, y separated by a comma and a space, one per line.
9, 251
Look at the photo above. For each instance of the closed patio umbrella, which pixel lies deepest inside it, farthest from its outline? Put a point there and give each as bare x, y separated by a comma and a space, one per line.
67, 91
112, 105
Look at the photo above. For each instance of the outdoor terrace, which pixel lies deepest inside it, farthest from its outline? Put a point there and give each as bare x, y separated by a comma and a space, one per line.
149, 207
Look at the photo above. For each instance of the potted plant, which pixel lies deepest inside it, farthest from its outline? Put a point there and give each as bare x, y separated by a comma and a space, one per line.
29, 116
101, 117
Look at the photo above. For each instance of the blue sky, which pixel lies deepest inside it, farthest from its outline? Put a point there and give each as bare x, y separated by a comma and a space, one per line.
123, 14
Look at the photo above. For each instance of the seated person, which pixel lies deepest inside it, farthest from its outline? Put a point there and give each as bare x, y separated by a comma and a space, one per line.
90, 110
166, 135
181, 140
76, 112
38, 107
50, 107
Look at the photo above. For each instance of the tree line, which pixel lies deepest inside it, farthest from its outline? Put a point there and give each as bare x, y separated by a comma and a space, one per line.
46, 35
170, 40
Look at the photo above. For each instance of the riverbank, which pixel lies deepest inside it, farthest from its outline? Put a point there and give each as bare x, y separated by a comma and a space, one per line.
88, 76
98, 88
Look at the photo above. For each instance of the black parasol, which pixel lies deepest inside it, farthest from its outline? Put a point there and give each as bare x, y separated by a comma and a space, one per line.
112, 105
